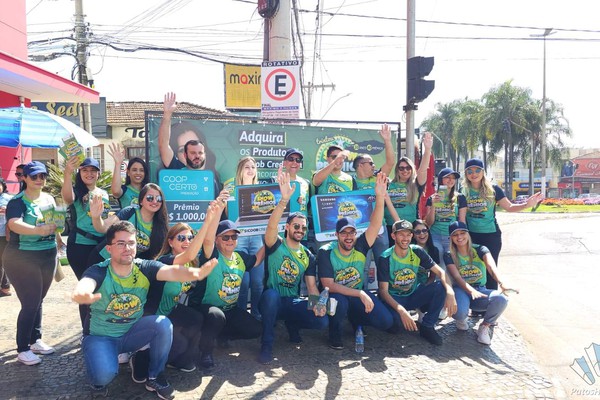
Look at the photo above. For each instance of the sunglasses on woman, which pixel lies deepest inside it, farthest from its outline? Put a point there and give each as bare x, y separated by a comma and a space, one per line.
294, 159
151, 198
404, 168
182, 238
420, 231
471, 171
38, 176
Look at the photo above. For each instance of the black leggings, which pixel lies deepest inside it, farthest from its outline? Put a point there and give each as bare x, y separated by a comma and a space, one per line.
231, 324
78, 254
493, 241
187, 331
31, 274
4, 281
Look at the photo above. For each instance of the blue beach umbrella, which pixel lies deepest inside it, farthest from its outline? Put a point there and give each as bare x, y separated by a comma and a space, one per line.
29, 127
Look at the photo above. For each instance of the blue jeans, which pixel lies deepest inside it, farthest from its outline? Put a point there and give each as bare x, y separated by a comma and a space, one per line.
442, 244
253, 279
101, 353
380, 317
493, 305
291, 309
428, 298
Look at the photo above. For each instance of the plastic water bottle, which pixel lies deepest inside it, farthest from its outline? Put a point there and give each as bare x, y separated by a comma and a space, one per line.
321, 306
359, 340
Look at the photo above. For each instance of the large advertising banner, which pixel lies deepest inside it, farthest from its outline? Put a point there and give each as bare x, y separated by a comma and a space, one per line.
227, 142
252, 206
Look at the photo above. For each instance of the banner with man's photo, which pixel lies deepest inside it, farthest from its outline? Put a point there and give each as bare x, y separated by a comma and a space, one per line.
226, 142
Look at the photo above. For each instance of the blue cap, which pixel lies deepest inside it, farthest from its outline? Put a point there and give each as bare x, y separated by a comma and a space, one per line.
474, 162
457, 226
289, 152
90, 162
344, 223
33, 168
226, 226
445, 172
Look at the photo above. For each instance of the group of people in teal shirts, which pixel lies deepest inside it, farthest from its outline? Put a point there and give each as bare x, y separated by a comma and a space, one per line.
458, 234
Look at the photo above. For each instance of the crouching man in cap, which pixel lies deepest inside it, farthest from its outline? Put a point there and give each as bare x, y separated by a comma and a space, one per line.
397, 270
342, 270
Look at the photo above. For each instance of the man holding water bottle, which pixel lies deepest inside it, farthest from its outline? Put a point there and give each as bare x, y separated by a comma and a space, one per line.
342, 269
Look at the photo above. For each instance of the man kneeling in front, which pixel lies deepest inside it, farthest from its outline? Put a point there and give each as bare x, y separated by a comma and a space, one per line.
116, 290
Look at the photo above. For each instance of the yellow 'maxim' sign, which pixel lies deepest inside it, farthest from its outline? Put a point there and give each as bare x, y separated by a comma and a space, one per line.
242, 87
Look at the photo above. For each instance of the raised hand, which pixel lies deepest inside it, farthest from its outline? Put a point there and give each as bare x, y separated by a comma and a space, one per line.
285, 187
428, 140
385, 132
117, 153
170, 103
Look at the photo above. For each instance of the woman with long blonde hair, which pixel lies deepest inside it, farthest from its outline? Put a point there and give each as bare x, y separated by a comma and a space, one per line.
470, 266
482, 197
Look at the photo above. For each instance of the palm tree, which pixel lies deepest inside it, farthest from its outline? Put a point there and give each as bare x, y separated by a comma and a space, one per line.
442, 124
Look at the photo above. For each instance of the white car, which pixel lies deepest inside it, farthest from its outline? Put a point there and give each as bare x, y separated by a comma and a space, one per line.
520, 199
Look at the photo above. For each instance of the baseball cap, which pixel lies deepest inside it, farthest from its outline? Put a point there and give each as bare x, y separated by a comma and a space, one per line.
289, 152
344, 223
445, 172
226, 226
402, 225
474, 162
457, 226
34, 168
293, 215
333, 148
90, 162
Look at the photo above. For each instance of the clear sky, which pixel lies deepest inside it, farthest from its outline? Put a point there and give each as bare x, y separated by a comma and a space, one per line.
476, 44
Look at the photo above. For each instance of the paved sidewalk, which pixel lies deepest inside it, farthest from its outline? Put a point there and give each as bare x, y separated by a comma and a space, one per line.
392, 366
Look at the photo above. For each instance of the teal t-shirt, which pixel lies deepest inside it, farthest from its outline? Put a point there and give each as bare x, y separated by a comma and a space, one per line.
475, 273
347, 270
401, 272
84, 218
285, 267
123, 298
447, 214
222, 287
130, 196
337, 183
481, 213
30, 212
398, 193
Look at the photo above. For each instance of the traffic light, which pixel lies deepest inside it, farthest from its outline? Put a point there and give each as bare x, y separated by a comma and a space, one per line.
418, 88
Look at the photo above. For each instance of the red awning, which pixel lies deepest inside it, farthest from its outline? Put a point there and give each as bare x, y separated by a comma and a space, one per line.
21, 78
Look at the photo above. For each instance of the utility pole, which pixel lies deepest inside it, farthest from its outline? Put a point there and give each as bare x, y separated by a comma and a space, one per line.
81, 54
410, 52
280, 33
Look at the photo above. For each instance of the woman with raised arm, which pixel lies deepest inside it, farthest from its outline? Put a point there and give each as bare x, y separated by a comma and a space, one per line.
482, 198
137, 177
83, 238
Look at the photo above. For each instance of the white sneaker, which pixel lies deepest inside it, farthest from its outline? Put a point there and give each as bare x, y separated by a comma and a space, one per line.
40, 347
484, 334
123, 358
28, 358
443, 314
420, 315
461, 324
